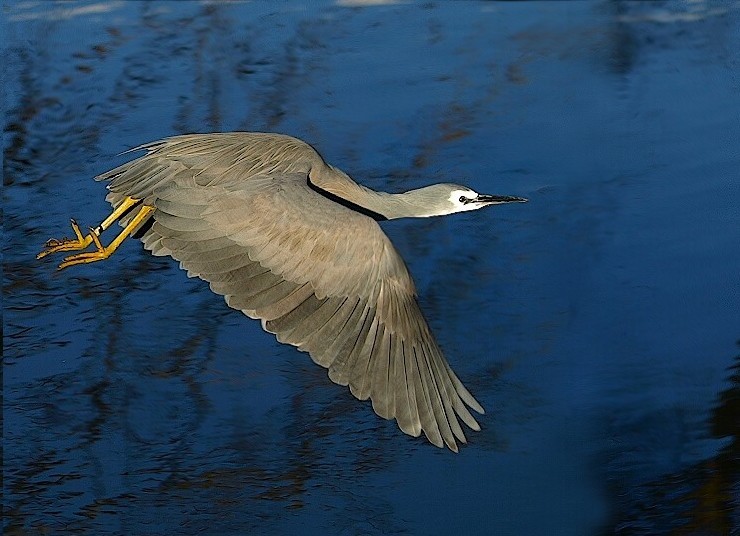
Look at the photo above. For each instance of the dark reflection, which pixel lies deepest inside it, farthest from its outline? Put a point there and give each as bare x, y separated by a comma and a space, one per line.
625, 47
702, 498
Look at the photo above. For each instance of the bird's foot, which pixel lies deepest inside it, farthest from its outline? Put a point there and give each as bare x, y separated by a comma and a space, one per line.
67, 244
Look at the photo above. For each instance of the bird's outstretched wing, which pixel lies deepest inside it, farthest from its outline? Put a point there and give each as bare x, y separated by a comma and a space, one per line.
321, 277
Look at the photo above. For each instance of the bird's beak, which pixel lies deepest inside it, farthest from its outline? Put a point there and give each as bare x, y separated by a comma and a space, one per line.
499, 199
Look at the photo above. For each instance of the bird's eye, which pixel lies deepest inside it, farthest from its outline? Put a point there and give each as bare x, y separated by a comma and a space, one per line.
463, 199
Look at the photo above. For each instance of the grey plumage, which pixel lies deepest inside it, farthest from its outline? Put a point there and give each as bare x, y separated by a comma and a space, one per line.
257, 216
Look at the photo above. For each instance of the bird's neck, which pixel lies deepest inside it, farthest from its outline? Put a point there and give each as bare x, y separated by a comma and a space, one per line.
378, 205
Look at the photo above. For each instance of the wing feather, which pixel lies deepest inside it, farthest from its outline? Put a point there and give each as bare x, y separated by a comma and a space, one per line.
440, 417
236, 280
414, 419
272, 295
281, 307
344, 343
315, 321
423, 402
333, 329
209, 266
399, 389
316, 339
446, 395
360, 358
377, 381
287, 324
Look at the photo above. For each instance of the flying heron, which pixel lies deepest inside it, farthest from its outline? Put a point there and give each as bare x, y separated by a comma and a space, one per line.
293, 241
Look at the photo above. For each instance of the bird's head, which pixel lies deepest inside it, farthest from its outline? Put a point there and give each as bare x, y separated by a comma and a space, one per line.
446, 198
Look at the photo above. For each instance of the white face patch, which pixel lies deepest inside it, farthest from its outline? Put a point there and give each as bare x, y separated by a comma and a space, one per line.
461, 200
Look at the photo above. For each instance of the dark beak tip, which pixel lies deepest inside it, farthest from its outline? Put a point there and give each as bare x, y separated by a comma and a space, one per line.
501, 199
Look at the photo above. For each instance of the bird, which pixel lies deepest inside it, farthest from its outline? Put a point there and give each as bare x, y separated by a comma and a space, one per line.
294, 242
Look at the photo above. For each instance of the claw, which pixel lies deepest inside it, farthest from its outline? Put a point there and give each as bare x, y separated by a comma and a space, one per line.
76, 229
53, 242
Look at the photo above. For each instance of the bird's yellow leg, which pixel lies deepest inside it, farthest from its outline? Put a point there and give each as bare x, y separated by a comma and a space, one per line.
79, 242
104, 252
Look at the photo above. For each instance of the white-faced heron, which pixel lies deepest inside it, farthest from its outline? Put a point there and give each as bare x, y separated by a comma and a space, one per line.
291, 240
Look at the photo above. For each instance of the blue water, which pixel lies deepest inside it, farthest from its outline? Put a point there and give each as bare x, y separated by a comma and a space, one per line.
598, 324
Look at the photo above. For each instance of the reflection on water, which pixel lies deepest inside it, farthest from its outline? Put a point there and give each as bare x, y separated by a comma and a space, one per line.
698, 498
596, 326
